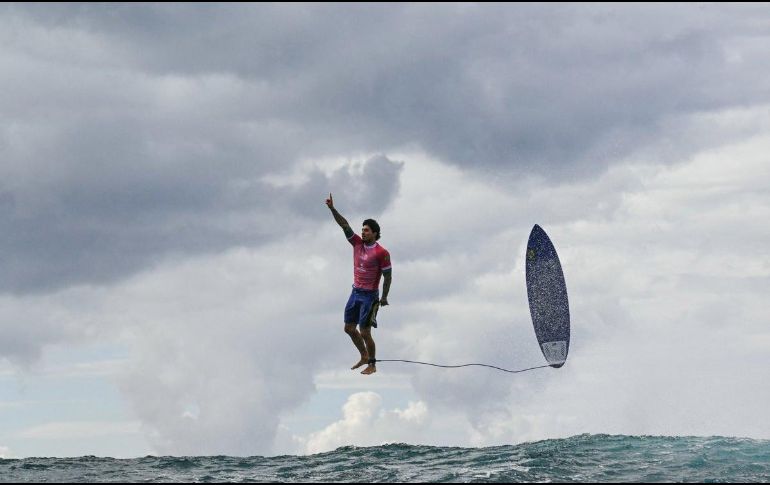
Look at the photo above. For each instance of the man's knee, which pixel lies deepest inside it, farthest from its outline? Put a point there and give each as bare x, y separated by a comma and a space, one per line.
350, 329
366, 332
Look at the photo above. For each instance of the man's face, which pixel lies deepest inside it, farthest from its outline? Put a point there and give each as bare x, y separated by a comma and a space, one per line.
367, 235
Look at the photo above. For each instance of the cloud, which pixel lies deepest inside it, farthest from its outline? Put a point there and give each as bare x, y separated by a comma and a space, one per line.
222, 346
30, 324
130, 134
558, 91
165, 169
365, 423
101, 234
459, 301
218, 346
666, 268
78, 430
6, 453
109, 170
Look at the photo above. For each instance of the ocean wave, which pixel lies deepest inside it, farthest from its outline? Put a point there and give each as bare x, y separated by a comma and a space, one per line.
583, 458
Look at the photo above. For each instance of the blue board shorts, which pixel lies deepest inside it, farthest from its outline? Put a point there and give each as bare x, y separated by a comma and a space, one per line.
360, 305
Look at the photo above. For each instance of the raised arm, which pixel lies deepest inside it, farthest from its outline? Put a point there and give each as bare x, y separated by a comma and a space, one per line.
338, 217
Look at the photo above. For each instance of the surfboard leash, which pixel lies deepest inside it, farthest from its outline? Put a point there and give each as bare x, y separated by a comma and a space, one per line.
458, 366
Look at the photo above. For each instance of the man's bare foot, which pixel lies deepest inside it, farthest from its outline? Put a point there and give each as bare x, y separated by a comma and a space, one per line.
364, 360
371, 369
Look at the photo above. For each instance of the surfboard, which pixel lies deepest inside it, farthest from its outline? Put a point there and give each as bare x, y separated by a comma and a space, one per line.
547, 294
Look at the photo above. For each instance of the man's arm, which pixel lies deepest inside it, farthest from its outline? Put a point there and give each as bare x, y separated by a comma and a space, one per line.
338, 217
388, 275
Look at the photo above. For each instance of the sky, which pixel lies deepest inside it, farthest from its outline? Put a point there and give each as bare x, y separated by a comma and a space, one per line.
172, 282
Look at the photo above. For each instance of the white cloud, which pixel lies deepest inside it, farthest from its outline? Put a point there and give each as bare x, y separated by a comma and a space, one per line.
366, 423
16, 404
6, 453
233, 337
79, 430
100, 368
345, 379
665, 308
667, 269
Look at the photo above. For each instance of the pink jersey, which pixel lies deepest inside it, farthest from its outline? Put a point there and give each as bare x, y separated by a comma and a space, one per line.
368, 263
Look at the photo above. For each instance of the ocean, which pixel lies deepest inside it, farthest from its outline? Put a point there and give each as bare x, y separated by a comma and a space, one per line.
584, 458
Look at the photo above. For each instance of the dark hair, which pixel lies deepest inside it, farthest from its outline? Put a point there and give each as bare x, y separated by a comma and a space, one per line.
374, 227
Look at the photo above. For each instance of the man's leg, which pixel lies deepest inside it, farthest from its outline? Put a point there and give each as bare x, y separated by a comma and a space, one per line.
366, 334
358, 341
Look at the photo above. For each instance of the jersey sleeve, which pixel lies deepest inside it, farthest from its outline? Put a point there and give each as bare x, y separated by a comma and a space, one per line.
355, 240
385, 261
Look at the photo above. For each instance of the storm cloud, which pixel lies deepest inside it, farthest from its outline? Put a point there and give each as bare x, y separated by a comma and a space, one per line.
163, 170
129, 132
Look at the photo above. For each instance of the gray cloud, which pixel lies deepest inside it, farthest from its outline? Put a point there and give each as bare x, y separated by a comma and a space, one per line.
115, 226
501, 87
128, 133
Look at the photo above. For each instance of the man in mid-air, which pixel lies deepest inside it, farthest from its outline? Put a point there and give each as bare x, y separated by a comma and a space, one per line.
370, 261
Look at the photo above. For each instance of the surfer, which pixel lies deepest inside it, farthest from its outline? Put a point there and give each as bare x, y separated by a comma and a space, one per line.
370, 261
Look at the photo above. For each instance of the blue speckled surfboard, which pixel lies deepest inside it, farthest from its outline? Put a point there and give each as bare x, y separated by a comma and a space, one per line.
547, 294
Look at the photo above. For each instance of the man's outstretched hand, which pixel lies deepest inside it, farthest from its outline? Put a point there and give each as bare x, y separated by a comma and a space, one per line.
330, 202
